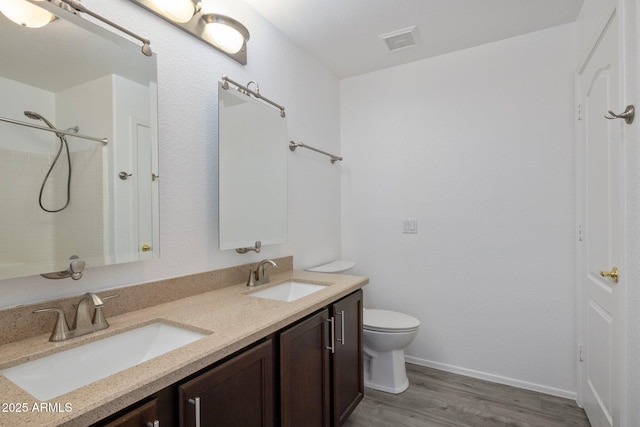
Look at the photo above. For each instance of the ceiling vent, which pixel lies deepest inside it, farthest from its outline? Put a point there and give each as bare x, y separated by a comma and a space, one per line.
400, 39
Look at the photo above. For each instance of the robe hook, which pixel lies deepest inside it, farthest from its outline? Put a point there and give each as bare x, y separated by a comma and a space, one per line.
628, 114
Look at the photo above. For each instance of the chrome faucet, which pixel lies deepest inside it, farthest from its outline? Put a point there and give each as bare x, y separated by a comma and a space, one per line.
84, 323
260, 276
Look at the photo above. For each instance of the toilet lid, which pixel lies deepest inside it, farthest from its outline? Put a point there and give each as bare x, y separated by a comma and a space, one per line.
333, 267
388, 321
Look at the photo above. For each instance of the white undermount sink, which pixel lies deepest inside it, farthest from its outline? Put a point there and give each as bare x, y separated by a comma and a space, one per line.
288, 291
60, 373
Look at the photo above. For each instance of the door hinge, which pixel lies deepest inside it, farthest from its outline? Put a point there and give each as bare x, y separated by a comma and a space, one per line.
579, 111
580, 359
579, 232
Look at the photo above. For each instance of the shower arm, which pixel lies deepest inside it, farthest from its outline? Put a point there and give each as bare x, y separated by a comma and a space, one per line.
104, 141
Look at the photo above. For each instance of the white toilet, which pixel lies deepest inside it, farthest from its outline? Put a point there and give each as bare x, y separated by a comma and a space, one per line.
385, 336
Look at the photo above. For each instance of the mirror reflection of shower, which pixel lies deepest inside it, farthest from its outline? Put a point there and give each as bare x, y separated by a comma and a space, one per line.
63, 145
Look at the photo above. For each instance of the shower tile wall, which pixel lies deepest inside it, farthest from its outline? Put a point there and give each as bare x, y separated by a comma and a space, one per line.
30, 235
26, 234
80, 230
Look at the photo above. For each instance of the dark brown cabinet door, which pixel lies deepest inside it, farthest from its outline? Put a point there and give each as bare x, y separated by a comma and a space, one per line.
304, 373
142, 416
239, 392
348, 380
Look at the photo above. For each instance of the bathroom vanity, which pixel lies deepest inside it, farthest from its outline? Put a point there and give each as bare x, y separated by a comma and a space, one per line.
261, 362
316, 380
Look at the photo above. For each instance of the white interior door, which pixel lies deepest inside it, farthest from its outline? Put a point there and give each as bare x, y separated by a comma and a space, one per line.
145, 190
600, 240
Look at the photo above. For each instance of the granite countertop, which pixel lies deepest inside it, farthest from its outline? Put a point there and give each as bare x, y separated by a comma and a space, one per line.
233, 319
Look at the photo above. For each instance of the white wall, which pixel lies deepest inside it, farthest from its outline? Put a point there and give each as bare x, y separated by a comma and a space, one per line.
188, 72
477, 146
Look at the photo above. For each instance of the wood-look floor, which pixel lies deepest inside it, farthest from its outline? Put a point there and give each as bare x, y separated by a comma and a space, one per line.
438, 398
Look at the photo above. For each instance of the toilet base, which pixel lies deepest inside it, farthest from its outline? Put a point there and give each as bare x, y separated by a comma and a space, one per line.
379, 387
386, 371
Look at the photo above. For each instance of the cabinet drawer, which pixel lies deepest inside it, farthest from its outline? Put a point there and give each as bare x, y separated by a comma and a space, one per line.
238, 392
145, 415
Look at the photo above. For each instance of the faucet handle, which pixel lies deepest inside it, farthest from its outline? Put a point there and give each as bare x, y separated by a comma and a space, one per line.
76, 267
251, 281
61, 328
99, 321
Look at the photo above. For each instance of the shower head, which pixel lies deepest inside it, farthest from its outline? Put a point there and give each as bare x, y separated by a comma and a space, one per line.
32, 115
36, 116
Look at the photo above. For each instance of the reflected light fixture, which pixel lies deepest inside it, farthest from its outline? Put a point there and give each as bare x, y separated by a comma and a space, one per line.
26, 14
222, 32
227, 33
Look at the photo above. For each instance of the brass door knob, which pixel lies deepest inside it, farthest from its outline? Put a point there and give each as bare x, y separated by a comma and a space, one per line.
613, 274
146, 248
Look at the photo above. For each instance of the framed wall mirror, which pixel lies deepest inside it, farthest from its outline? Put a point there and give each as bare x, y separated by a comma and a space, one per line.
99, 202
252, 170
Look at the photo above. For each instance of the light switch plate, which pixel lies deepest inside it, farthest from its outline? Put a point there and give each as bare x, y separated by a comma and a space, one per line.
410, 226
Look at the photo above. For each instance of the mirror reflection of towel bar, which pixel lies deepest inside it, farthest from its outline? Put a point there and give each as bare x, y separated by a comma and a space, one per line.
294, 145
104, 141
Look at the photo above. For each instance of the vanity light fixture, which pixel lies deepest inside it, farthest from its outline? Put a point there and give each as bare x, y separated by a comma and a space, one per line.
219, 31
227, 33
25, 13
178, 10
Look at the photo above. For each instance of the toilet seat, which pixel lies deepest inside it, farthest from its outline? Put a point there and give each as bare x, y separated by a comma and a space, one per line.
388, 321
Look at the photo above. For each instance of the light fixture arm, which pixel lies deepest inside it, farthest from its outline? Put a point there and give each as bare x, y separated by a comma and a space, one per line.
79, 7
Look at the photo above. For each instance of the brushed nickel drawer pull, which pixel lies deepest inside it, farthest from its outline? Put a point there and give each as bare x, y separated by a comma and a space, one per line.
196, 402
332, 347
341, 314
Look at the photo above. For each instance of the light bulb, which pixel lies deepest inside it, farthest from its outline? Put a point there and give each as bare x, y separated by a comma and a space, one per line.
177, 10
26, 14
225, 37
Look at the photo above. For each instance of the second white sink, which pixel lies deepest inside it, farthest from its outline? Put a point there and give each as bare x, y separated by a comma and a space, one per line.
60, 373
288, 291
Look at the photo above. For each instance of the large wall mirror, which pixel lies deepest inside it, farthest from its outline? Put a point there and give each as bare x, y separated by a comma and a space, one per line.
81, 78
252, 170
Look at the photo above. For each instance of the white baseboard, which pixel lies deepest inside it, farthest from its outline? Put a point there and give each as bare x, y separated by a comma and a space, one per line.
493, 378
